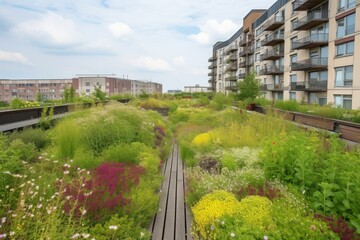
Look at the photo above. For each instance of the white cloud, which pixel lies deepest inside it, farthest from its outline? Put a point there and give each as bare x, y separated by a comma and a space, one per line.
179, 61
199, 71
119, 29
213, 30
12, 57
152, 64
51, 28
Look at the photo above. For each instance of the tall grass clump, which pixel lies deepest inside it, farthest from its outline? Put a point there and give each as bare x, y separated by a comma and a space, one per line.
67, 138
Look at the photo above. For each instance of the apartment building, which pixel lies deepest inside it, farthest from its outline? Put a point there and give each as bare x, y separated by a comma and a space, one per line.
196, 88
28, 89
303, 50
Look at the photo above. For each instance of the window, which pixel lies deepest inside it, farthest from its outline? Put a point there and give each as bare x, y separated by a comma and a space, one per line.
257, 57
87, 90
293, 78
344, 76
293, 40
322, 101
257, 69
87, 84
344, 101
346, 26
345, 49
345, 4
292, 95
293, 58
258, 45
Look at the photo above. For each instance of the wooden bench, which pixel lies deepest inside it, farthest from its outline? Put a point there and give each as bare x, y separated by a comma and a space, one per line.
173, 219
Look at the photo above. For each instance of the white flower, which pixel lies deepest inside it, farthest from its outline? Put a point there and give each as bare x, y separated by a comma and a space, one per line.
142, 234
66, 172
39, 205
75, 236
3, 220
222, 222
85, 235
232, 235
303, 192
266, 238
113, 227
2, 236
12, 233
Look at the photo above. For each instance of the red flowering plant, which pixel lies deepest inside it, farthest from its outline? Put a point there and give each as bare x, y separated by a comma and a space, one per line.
103, 192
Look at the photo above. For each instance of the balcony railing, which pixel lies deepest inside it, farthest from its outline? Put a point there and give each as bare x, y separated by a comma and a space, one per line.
273, 39
231, 78
211, 74
242, 64
312, 85
246, 50
272, 70
302, 5
213, 65
231, 67
312, 64
231, 88
210, 80
274, 23
231, 49
211, 59
311, 20
242, 75
275, 87
233, 57
263, 87
311, 41
272, 55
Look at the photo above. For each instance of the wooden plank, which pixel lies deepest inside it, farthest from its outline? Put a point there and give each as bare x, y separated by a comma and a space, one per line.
188, 223
350, 133
169, 228
315, 121
180, 201
161, 215
174, 158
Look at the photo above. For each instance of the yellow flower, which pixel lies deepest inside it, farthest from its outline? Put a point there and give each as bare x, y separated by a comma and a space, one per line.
202, 139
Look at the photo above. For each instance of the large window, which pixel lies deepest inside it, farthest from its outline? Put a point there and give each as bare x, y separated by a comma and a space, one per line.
346, 26
345, 4
293, 58
344, 76
292, 95
344, 101
345, 48
294, 39
293, 78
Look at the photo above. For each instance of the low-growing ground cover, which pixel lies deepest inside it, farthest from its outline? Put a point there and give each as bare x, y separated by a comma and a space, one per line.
288, 183
95, 175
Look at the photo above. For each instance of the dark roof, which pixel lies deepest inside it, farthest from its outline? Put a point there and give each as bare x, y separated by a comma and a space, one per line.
254, 10
275, 7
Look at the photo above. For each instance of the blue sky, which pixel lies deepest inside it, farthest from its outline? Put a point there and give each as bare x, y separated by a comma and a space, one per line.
162, 41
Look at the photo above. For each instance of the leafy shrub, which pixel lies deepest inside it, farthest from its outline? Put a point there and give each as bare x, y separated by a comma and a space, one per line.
104, 193
125, 153
119, 228
25, 152
221, 101
211, 207
85, 159
266, 190
339, 226
36, 136
290, 105
202, 139
153, 103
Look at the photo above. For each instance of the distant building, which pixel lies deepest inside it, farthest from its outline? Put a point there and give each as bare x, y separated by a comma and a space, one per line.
27, 89
196, 88
174, 91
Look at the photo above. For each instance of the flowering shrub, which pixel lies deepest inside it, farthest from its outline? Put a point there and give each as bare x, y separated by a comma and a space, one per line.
339, 226
104, 193
256, 211
159, 136
266, 190
212, 207
202, 139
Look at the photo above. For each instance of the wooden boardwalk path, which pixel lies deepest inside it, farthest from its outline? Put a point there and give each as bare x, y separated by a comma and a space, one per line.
173, 219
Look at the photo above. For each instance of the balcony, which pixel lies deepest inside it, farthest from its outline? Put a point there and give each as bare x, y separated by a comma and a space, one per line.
312, 64
210, 81
242, 64
272, 70
275, 87
231, 78
231, 49
312, 85
211, 74
213, 88
246, 51
231, 88
213, 65
233, 57
242, 43
303, 5
231, 68
242, 75
309, 21
263, 88
211, 59
273, 39
274, 23
272, 55
311, 41
246, 40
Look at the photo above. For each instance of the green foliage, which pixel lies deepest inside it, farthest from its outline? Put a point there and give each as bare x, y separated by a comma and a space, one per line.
249, 87
221, 101
118, 228
17, 103
25, 151
144, 95
98, 93
290, 105
121, 96
3, 104
123, 152
69, 94
85, 159
67, 136
36, 136
149, 103
46, 118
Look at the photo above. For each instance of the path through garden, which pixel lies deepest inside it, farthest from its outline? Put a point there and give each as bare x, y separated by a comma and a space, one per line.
173, 219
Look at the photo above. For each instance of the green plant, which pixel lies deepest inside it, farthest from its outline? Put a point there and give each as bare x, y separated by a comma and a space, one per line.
126, 153
249, 87
36, 136
67, 136
17, 103
98, 93
46, 118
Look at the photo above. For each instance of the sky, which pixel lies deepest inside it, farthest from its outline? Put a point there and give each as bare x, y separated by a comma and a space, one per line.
164, 41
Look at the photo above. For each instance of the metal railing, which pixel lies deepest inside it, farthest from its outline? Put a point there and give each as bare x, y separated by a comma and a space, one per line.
272, 70
313, 38
272, 53
309, 86
318, 62
314, 16
272, 37
274, 22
